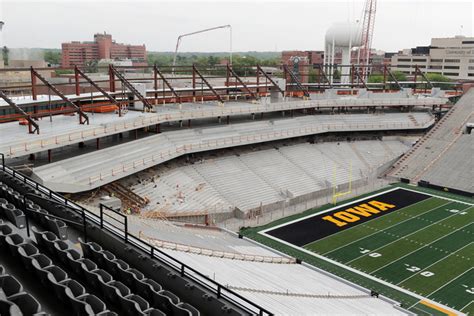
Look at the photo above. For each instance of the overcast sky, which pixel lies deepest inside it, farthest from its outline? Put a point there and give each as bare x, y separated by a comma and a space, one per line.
257, 25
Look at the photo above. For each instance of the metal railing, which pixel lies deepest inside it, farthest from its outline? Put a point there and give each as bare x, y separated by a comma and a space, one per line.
183, 269
168, 154
88, 133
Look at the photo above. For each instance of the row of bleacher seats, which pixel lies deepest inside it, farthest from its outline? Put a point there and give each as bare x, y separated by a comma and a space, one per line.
436, 142
90, 170
97, 280
52, 276
13, 299
251, 179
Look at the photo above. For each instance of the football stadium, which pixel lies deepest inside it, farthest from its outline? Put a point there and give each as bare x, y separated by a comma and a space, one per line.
335, 182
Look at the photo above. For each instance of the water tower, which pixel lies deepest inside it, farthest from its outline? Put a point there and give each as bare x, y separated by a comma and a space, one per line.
341, 37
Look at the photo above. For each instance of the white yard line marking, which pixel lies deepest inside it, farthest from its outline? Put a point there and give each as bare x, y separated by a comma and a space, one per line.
445, 285
420, 248
403, 237
438, 196
425, 268
368, 276
471, 302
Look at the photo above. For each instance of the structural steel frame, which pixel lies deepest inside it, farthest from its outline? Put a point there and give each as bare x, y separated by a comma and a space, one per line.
78, 73
83, 118
132, 89
207, 84
260, 70
25, 115
296, 81
230, 70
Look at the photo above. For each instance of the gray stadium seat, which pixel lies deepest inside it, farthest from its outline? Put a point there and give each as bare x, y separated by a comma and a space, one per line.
114, 290
94, 305
13, 241
27, 303
14, 215
26, 251
9, 308
9, 285
189, 308
5, 230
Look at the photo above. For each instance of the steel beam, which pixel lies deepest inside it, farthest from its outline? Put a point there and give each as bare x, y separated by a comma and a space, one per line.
417, 69
32, 126
78, 72
131, 88
259, 69
207, 84
168, 84
83, 118
295, 80
393, 77
356, 72
323, 73
231, 71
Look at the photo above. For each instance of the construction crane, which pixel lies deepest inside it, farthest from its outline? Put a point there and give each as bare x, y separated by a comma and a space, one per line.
367, 34
178, 42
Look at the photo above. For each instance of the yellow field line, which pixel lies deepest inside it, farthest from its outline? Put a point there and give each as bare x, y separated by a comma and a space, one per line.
438, 308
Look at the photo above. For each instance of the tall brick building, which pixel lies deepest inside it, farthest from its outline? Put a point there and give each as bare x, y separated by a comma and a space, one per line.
103, 47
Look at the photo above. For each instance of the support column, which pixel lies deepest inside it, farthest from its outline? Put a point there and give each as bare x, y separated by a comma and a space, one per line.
194, 84
228, 119
136, 134
33, 85
111, 79
261, 116
76, 81
155, 84
50, 156
97, 143
157, 128
189, 123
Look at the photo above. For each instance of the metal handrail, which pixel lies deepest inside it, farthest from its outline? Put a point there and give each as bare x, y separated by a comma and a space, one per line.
26, 210
186, 271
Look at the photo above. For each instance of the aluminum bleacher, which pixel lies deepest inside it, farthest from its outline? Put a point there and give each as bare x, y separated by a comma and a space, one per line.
426, 160
88, 171
454, 169
252, 179
292, 289
43, 271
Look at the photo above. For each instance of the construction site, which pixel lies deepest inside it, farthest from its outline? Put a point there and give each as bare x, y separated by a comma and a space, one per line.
184, 159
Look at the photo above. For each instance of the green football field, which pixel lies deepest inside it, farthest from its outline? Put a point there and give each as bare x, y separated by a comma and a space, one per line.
425, 247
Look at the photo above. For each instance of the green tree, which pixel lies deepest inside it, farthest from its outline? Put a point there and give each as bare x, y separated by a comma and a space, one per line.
375, 79
5, 53
435, 78
400, 76
52, 57
91, 66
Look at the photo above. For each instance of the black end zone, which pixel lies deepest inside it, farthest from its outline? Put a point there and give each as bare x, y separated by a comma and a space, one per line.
315, 227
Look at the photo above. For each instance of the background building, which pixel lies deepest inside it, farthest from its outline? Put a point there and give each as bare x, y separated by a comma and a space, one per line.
452, 57
103, 47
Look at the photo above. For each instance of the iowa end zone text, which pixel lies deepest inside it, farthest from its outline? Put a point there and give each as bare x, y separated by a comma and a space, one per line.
334, 220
